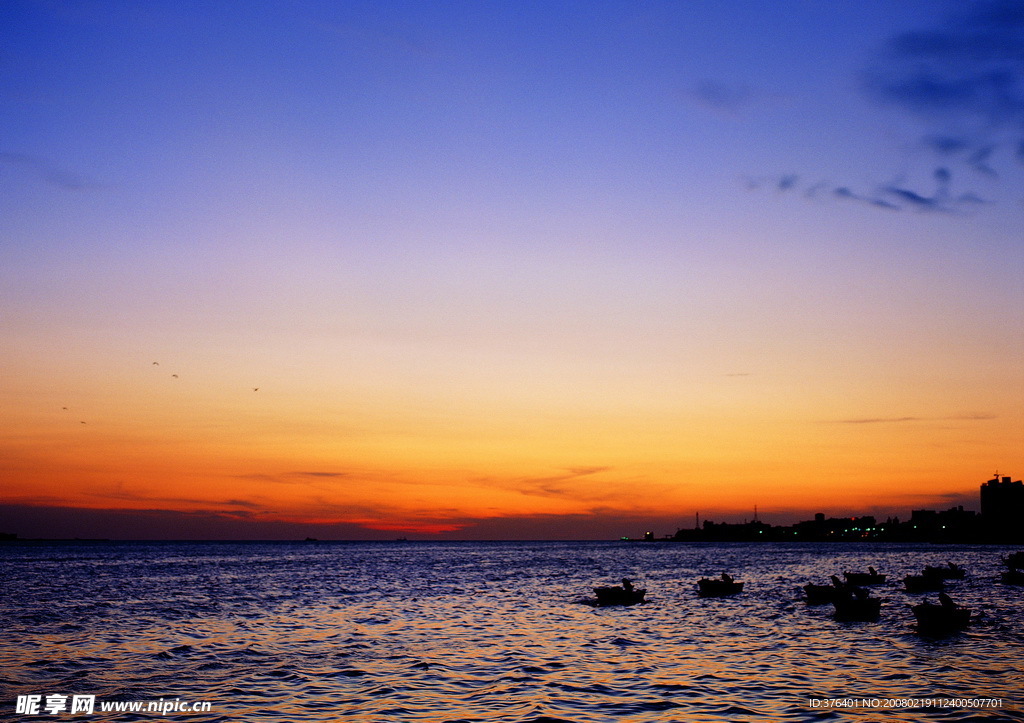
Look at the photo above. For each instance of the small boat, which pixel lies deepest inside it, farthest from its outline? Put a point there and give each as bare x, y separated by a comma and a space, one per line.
857, 607
871, 577
1015, 560
718, 587
924, 583
624, 594
821, 594
950, 571
943, 618
1013, 576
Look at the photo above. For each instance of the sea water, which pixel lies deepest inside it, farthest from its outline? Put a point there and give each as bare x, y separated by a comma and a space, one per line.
502, 631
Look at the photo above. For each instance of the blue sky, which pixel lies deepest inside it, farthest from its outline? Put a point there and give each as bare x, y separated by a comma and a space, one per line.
660, 240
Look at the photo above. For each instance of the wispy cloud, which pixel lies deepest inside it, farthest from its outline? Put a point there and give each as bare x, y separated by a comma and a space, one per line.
967, 68
730, 99
963, 80
47, 172
902, 420
293, 478
897, 195
121, 493
846, 193
724, 98
560, 485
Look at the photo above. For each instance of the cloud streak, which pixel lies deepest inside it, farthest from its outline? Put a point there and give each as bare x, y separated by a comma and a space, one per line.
118, 492
729, 100
47, 172
559, 486
963, 80
902, 420
897, 195
969, 69
294, 478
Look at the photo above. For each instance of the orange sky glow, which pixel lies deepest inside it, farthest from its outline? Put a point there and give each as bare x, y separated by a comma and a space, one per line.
456, 281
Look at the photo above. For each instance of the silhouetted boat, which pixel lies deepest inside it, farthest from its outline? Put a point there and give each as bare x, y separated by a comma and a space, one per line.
821, 594
924, 583
1015, 560
718, 587
946, 617
871, 577
1013, 577
624, 594
950, 571
858, 607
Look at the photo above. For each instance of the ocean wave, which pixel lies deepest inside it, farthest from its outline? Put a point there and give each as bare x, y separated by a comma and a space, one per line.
491, 632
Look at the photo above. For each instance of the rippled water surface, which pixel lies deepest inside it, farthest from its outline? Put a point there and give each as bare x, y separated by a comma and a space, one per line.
414, 631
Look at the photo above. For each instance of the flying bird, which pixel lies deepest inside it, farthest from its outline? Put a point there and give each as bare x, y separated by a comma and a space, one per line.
156, 363
175, 376
255, 389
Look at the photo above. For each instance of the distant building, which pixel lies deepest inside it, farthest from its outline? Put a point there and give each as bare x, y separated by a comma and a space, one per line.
836, 528
953, 525
1002, 506
1001, 521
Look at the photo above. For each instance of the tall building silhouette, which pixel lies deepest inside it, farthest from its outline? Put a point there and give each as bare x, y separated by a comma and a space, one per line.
1002, 507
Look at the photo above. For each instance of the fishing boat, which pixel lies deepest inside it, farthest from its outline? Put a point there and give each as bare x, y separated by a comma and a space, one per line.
942, 618
949, 571
1014, 560
624, 594
857, 607
821, 594
871, 577
718, 587
1013, 577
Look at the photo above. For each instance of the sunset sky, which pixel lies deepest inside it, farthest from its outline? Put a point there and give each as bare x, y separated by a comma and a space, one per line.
457, 270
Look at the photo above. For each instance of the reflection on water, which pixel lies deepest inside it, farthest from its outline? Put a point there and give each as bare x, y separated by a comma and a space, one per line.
494, 631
